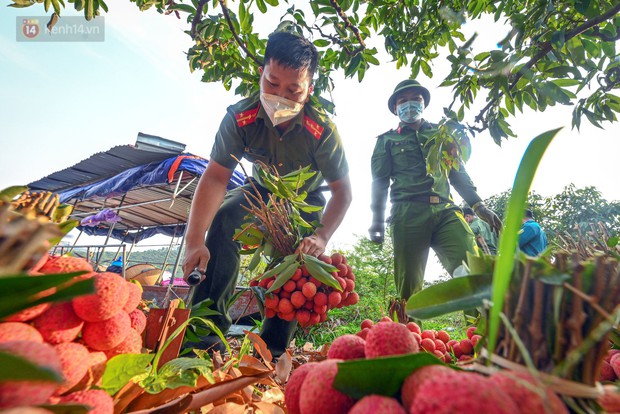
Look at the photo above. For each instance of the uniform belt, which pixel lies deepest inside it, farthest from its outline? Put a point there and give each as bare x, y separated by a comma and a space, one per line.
433, 199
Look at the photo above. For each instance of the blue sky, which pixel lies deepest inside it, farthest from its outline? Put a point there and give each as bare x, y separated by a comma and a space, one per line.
62, 102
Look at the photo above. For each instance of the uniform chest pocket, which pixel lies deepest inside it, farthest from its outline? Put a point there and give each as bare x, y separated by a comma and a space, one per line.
257, 154
405, 155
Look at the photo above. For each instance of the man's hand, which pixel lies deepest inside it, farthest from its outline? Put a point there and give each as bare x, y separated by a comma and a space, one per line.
489, 216
313, 245
376, 232
195, 258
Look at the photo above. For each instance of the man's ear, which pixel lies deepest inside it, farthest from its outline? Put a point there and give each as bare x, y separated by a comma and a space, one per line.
310, 90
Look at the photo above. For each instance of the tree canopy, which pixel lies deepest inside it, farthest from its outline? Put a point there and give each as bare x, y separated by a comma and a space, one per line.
554, 52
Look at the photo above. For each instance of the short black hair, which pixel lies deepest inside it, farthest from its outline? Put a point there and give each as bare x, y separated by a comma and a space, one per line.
529, 214
468, 211
292, 51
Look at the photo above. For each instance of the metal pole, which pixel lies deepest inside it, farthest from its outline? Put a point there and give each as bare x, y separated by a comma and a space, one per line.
76, 240
180, 254
163, 268
109, 233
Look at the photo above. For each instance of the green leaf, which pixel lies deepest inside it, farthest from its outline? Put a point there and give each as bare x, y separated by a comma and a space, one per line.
284, 276
120, 369
15, 368
10, 193
182, 7
179, 372
456, 294
381, 376
613, 241
321, 43
508, 238
261, 6
317, 271
255, 258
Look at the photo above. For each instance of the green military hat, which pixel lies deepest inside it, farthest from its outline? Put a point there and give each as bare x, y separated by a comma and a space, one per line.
405, 85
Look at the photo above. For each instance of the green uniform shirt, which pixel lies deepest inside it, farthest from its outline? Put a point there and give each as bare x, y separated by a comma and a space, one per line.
482, 228
400, 157
310, 139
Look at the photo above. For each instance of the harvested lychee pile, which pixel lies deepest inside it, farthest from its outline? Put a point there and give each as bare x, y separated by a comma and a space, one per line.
306, 292
75, 337
391, 338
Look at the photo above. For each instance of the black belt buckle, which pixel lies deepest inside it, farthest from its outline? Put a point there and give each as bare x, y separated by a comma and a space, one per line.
434, 200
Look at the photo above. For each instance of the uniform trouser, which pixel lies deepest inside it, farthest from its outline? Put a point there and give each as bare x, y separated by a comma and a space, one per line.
415, 228
223, 267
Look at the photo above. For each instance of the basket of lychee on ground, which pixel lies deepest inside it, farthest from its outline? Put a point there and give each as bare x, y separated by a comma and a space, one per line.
75, 338
393, 368
305, 298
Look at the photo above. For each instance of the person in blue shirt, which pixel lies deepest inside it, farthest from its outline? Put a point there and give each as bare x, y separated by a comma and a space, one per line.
532, 238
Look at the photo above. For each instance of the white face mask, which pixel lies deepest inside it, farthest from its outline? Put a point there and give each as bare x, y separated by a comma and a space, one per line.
279, 109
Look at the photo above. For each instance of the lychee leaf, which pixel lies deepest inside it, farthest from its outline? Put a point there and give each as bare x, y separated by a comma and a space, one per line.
284, 276
456, 294
119, 370
382, 376
15, 368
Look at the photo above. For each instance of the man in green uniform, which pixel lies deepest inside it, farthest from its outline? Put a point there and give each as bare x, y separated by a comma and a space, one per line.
485, 237
281, 129
423, 214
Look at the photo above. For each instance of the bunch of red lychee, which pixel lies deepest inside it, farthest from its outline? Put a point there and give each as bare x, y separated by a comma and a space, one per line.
306, 299
75, 338
610, 367
402, 336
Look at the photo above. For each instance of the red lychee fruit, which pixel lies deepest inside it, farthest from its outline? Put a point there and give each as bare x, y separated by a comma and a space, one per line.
317, 394
132, 344
107, 334
74, 361
293, 388
615, 364
417, 337
134, 298
65, 264
413, 382
270, 313
325, 258
610, 399
367, 323
389, 338
443, 336
347, 347
110, 298
363, 333
59, 323
18, 331
527, 393
99, 400
289, 286
414, 327
298, 299
385, 319
428, 344
138, 320
467, 347
476, 394
475, 339
342, 270
309, 290
315, 319
606, 373
377, 404
285, 306
95, 368
289, 317
350, 285
337, 259
24, 393
351, 300
297, 275
320, 299
271, 301
470, 331
334, 299
440, 346
303, 317
428, 334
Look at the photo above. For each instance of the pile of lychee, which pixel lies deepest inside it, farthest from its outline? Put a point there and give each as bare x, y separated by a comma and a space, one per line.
75, 338
306, 299
610, 368
434, 389
405, 339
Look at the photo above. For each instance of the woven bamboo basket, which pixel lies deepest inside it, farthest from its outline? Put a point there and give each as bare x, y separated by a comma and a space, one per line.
148, 277
135, 270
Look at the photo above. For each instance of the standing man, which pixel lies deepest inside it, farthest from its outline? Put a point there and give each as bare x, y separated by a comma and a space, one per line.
280, 128
485, 237
532, 238
423, 213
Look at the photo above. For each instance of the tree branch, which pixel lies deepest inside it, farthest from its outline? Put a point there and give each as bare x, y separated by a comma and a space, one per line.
349, 25
545, 49
197, 17
237, 38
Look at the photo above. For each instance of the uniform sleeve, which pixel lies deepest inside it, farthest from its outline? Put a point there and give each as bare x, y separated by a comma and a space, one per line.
330, 157
381, 169
462, 183
228, 141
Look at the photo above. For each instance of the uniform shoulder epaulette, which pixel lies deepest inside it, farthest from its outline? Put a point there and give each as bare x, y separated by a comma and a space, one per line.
391, 131
247, 117
313, 127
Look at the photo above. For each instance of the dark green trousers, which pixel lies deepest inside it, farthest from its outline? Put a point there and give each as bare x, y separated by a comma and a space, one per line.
223, 267
417, 227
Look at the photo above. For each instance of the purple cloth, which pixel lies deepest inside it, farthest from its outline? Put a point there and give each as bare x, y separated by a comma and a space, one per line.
104, 216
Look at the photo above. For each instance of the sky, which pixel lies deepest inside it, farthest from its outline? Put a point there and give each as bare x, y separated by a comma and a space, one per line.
63, 102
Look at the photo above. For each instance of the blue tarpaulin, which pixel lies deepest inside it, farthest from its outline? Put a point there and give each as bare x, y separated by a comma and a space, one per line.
144, 175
